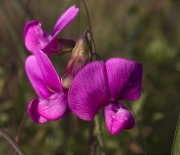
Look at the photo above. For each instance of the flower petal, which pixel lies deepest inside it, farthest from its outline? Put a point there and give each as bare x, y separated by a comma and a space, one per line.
65, 19
35, 37
125, 79
48, 72
89, 91
35, 76
118, 118
30, 24
53, 47
32, 111
54, 107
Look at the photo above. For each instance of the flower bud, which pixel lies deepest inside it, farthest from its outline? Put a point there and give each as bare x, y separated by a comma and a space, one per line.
79, 58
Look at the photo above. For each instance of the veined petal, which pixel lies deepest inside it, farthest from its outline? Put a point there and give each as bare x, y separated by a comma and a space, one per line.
89, 91
36, 78
35, 37
32, 111
118, 118
125, 78
48, 72
54, 107
65, 19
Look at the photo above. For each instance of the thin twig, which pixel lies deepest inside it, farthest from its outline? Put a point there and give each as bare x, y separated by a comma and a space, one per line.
99, 133
89, 23
69, 4
21, 124
91, 137
12, 141
19, 129
145, 145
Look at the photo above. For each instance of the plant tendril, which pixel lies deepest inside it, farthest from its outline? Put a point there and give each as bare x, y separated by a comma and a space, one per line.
89, 23
145, 146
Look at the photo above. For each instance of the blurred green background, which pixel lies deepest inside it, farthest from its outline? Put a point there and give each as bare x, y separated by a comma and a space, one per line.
147, 31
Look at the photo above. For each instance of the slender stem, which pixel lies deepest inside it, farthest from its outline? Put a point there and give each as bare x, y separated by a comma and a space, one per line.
89, 23
21, 124
98, 127
90, 139
12, 141
145, 146
19, 129
69, 4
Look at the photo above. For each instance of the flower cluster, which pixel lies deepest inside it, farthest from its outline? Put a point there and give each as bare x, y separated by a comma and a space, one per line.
85, 87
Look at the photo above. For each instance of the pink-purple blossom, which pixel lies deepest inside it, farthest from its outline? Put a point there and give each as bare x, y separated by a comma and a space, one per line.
36, 38
52, 102
102, 85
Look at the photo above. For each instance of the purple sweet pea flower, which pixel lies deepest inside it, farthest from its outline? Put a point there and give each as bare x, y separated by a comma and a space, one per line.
52, 102
36, 38
100, 85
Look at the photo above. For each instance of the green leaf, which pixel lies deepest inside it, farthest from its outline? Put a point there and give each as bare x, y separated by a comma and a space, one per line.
176, 143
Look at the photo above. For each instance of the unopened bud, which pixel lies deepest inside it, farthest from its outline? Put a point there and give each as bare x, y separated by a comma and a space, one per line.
79, 58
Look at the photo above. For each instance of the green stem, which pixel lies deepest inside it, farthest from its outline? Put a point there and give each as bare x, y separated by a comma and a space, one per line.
99, 133
11, 140
89, 23
19, 129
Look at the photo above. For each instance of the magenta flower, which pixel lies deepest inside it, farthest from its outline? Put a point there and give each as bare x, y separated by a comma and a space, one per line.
36, 38
52, 102
100, 85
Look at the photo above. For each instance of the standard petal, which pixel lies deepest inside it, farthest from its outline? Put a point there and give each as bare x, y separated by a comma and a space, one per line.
125, 78
65, 19
89, 91
32, 111
118, 118
35, 76
35, 37
49, 74
30, 24
54, 107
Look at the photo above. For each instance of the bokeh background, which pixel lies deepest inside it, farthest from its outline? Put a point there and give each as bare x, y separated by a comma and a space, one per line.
147, 31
